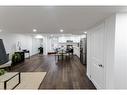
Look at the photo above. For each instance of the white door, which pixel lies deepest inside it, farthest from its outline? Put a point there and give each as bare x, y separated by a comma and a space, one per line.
97, 56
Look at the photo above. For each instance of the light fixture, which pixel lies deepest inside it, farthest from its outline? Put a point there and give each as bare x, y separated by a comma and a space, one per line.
0, 30
34, 30
85, 32
39, 36
61, 30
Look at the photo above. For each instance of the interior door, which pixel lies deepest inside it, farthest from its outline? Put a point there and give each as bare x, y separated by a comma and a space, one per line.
97, 56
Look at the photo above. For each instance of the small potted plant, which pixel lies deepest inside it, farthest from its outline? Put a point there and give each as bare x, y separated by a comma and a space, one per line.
2, 72
16, 57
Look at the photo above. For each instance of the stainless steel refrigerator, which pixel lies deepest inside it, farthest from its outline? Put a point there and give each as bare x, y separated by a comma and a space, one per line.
83, 50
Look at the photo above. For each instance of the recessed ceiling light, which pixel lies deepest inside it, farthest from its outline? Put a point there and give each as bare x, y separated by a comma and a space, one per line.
85, 32
61, 30
0, 30
34, 30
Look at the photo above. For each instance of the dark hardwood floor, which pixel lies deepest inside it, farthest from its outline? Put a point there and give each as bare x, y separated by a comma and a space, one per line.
68, 74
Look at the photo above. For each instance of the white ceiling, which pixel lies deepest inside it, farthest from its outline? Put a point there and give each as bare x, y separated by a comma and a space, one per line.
47, 20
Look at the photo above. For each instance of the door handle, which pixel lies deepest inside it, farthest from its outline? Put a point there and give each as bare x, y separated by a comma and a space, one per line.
100, 65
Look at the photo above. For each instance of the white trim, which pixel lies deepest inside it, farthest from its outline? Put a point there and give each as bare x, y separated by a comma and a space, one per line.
95, 84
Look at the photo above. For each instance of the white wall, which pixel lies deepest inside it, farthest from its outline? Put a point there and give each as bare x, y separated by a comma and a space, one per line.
27, 42
120, 68
45, 45
36, 43
110, 45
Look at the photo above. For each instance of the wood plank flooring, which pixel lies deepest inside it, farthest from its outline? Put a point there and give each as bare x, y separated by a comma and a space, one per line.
67, 74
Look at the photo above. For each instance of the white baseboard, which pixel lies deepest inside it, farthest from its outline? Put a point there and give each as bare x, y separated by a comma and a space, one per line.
94, 83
